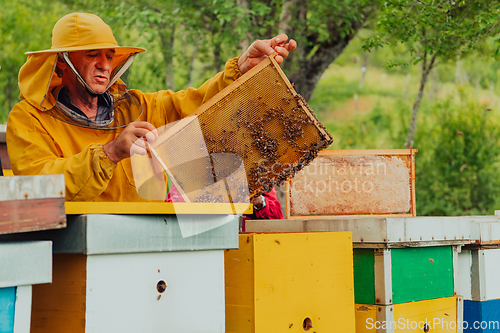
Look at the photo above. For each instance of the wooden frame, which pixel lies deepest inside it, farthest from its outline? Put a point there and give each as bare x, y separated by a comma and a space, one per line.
407, 154
76, 208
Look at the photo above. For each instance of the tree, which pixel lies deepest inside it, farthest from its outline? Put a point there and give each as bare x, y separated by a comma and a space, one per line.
322, 28
17, 37
434, 31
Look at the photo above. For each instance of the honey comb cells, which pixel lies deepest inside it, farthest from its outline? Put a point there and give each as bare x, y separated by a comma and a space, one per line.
259, 118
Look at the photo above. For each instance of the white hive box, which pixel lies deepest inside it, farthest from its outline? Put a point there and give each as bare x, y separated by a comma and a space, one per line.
478, 262
133, 273
22, 264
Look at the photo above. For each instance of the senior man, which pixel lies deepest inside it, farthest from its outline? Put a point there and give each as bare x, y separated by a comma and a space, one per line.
78, 118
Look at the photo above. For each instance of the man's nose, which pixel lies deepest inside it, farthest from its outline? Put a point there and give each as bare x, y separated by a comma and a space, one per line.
103, 62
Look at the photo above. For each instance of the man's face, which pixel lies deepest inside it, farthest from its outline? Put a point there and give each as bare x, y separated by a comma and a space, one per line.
95, 67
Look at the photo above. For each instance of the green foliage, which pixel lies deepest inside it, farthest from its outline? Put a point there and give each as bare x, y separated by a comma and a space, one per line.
20, 33
458, 139
459, 158
445, 28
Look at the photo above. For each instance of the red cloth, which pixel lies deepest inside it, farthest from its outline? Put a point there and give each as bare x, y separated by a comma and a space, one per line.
272, 210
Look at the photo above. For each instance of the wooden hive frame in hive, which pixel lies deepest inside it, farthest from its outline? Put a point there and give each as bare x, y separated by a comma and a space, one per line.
405, 157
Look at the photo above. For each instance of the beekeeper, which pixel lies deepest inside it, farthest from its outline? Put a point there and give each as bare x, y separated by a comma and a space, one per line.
78, 118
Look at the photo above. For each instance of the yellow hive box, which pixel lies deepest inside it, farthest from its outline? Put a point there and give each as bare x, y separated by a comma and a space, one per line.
285, 282
434, 315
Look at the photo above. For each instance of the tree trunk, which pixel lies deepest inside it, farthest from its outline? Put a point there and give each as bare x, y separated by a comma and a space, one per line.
313, 54
245, 41
191, 65
413, 125
167, 47
291, 11
217, 58
309, 71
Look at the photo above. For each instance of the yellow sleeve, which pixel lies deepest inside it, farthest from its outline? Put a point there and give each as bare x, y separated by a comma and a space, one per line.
32, 151
170, 106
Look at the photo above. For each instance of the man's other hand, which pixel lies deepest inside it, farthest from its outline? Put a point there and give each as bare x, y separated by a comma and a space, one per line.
130, 141
261, 49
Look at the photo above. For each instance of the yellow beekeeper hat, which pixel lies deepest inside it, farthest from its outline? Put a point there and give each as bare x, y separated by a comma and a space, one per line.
73, 32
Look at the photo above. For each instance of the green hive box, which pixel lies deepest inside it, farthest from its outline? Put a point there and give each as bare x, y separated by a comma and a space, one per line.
393, 276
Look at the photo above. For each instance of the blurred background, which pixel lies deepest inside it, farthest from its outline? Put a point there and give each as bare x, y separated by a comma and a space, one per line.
386, 75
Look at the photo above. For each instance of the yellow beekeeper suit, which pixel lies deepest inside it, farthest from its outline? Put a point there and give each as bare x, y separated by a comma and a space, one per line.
41, 143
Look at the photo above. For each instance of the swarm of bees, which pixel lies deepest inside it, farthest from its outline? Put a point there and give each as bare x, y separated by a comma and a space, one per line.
267, 138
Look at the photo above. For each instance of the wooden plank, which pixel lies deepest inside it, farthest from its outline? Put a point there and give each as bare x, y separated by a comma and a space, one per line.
355, 182
123, 293
484, 274
364, 275
25, 263
22, 316
366, 316
8, 173
79, 208
369, 231
59, 307
395, 276
383, 276
4, 157
486, 230
31, 215
422, 273
7, 309
297, 277
463, 274
360, 152
439, 314
320, 217
436, 315
31, 187
460, 314
239, 278
287, 200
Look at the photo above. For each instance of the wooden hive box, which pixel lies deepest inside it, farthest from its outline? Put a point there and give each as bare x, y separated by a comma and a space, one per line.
280, 282
22, 265
30, 203
134, 273
395, 276
481, 316
478, 262
436, 315
478, 274
352, 183
396, 259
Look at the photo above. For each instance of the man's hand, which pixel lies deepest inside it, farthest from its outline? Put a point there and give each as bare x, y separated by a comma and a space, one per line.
261, 49
130, 141
258, 202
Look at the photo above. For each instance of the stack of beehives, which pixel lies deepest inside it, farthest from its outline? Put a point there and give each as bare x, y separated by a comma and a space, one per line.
28, 203
405, 267
478, 273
